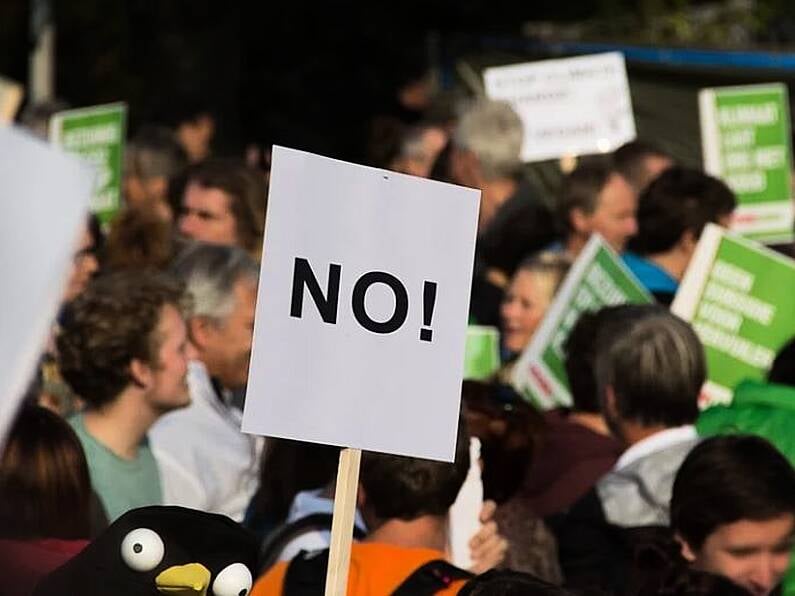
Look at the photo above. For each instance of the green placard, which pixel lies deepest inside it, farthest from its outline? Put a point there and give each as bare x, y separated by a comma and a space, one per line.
598, 278
97, 135
482, 353
745, 134
738, 296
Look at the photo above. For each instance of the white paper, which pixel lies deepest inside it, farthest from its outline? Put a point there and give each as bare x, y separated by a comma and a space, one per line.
45, 198
339, 383
569, 106
465, 512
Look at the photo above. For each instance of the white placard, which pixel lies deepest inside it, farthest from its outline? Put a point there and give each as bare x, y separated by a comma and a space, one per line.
569, 106
46, 196
342, 352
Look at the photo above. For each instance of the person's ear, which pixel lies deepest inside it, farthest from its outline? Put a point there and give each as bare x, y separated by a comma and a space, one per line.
687, 242
610, 407
140, 373
361, 497
200, 331
580, 221
687, 553
157, 187
465, 167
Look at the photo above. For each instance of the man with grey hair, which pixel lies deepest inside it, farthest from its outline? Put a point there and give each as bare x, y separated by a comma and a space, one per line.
486, 146
205, 461
515, 220
650, 367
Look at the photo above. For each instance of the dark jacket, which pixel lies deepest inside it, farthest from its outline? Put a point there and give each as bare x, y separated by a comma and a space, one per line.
599, 534
569, 461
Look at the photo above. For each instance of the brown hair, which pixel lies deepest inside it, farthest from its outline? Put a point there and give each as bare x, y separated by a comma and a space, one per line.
111, 323
45, 489
246, 189
581, 189
139, 239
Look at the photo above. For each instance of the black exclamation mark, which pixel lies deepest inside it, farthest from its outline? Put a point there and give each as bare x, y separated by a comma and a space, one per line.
428, 302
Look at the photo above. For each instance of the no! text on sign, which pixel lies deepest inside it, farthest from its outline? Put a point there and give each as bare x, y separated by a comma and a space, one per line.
362, 308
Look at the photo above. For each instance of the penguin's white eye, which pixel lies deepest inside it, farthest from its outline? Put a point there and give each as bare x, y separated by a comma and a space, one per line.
142, 549
234, 580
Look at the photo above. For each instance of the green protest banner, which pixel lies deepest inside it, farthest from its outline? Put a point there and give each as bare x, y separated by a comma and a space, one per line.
597, 278
745, 138
97, 135
738, 296
482, 352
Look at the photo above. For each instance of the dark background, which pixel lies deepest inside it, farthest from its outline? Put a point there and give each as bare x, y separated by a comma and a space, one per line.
306, 74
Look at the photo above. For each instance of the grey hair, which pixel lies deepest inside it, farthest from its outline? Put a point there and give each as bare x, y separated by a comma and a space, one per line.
493, 131
413, 145
153, 153
210, 272
654, 362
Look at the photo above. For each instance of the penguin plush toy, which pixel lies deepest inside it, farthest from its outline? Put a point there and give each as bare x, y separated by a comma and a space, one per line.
160, 550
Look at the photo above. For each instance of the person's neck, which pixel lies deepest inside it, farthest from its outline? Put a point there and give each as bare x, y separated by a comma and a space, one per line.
494, 194
428, 531
670, 262
574, 245
633, 433
213, 370
122, 425
591, 421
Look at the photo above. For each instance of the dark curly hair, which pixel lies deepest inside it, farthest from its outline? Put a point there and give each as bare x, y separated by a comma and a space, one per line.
679, 200
111, 323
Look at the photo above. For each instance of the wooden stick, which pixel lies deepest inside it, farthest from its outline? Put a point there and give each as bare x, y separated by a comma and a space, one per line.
342, 526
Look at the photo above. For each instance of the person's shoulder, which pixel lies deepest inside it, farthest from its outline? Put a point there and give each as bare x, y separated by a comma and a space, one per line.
76, 422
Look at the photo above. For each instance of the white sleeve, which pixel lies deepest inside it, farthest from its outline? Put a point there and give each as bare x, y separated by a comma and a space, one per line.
180, 487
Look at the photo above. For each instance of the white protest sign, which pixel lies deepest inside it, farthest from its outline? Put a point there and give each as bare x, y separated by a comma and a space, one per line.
362, 308
46, 198
569, 106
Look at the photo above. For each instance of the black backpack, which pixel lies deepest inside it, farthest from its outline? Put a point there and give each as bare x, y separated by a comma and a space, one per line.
306, 576
277, 540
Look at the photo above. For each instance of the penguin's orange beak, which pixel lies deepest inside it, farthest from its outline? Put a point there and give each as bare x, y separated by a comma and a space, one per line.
184, 580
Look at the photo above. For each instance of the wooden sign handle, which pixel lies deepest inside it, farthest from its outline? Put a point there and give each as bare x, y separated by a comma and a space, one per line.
342, 525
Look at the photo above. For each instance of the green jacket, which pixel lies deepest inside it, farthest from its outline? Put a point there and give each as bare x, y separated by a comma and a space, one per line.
763, 409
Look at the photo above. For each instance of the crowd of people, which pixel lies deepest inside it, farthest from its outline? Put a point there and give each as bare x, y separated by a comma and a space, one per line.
633, 490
